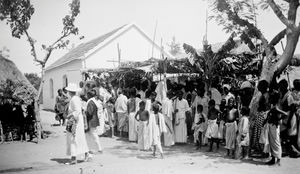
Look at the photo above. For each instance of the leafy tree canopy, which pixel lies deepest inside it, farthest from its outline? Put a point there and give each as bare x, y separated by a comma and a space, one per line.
34, 79
174, 46
239, 16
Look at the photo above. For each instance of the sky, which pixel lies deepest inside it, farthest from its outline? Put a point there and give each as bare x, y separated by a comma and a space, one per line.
180, 18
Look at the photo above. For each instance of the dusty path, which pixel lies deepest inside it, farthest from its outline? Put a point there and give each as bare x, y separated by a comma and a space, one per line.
123, 157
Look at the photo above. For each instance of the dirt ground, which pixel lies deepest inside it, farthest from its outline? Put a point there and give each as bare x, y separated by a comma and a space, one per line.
120, 156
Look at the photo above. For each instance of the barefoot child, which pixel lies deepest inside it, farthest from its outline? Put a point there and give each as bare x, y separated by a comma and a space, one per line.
231, 127
142, 116
243, 133
110, 106
159, 127
212, 126
199, 126
221, 121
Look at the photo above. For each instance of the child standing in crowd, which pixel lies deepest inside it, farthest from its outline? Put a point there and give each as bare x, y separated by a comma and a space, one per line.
110, 106
212, 127
274, 116
231, 127
158, 127
199, 126
221, 121
131, 113
243, 133
142, 116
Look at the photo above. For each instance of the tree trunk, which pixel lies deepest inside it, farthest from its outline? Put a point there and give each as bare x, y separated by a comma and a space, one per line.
274, 66
286, 57
37, 107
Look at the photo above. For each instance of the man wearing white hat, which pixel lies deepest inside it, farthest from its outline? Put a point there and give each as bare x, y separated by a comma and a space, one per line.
76, 140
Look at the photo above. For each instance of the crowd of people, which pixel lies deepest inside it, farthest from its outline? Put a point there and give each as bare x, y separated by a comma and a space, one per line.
164, 113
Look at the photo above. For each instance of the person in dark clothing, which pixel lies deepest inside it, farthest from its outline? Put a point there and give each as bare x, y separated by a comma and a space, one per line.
275, 115
18, 113
283, 105
92, 122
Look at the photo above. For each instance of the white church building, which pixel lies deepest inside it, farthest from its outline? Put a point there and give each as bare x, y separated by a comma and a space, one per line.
101, 52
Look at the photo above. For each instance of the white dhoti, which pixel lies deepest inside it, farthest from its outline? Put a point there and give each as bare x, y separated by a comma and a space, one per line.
274, 140
122, 122
180, 131
212, 129
197, 129
132, 124
231, 129
93, 140
143, 136
221, 130
156, 138
100, 128
169, 135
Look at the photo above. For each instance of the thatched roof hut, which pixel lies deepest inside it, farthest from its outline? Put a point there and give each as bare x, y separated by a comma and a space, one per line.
19, 85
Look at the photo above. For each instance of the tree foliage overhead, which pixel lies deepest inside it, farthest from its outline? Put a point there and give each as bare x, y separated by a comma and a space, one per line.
17, 14
239, 16
222, 63
174, 46
16, 92
34, 79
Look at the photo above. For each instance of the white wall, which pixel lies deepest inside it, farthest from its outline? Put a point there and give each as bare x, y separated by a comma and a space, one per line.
134, 47
71, 70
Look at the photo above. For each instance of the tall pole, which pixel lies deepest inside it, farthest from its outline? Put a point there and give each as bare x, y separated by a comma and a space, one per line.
119, 55
206, 24
154, 39
205, 42
255, 23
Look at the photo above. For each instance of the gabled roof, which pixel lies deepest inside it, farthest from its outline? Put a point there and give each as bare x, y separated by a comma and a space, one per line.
84, 50
79, 51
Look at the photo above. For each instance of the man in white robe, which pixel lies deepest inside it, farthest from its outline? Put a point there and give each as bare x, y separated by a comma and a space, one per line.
181, 106
167, 111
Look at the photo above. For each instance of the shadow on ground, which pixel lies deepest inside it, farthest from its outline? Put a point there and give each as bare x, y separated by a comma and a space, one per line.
61, 160
16, 170
130, 149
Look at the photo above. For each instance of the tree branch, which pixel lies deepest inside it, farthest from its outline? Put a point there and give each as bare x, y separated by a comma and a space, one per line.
293, 6
252, 29
33, 51
277, 38
54, 46
278, 12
